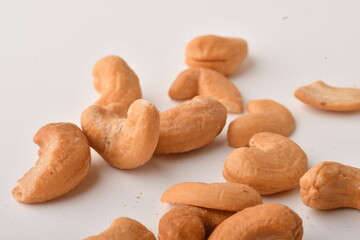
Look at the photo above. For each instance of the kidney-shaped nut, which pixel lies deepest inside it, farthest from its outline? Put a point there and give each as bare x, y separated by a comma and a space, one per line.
221, 196
273, 163
115, 81
329, 185
64, 161
221, 54
191, 125
124, 141
190, 223
124, 229
322, 96
264, 116
262, 222
205, 82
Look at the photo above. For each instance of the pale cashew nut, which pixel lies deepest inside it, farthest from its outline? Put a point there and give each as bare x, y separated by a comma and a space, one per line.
264, 116
124, 229
125, 141
64, 161
205, 82
329, 185
221, 54
322, 96
115, 81
273, 163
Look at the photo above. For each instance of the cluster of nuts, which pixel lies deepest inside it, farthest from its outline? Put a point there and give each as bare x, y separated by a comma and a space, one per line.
127, 130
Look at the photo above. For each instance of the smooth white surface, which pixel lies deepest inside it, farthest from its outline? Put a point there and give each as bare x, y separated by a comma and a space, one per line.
48, 48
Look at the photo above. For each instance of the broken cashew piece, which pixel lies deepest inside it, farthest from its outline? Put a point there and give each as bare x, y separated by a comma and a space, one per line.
124, 229
264, 116
125, 141
330, 185
262, 222
322, 96
115, 81
206, 82
64, 161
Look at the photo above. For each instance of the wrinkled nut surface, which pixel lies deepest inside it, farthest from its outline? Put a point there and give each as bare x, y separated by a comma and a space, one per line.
221, 54
264, 116
322, 96
273, 163
124, 229
191, 125
190, 223
205, 82
262, 222
221, 196
115, 81
329, 185
64, 161
125, 141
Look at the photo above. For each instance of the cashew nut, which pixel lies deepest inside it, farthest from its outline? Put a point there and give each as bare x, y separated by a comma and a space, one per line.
264, 116
191, 125
64, 161
221, 196
115, 81
124, 141
329, 185
205, 82
322, 96
221, 54
124, 229
262, 222
273, 163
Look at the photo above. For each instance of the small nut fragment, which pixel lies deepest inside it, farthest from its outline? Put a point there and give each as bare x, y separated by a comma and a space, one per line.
273, 163
221, 196
64, 161
221, 54
322, 96
124, 229
264, 116
262, 222
205, 82
191, 125
115, 81
329, 185
124, 141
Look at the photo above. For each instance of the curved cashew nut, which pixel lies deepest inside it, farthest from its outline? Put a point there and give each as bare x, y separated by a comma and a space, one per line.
329, 185
221, 196
191, 125
205, 82
115, 81
264, 116
190, 223
124, 229
273, 163
64, 161
322, 96
125, 142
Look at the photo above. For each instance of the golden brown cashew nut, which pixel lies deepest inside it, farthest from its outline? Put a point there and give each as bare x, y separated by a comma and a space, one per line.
273, 163
322, 96
329, 185
64, 161
205, 82
124, 229
191, 125
124, 141
262, 222
115, 81
264, 116
221, 54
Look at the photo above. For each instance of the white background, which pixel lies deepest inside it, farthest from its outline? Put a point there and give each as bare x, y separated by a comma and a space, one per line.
48, 48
